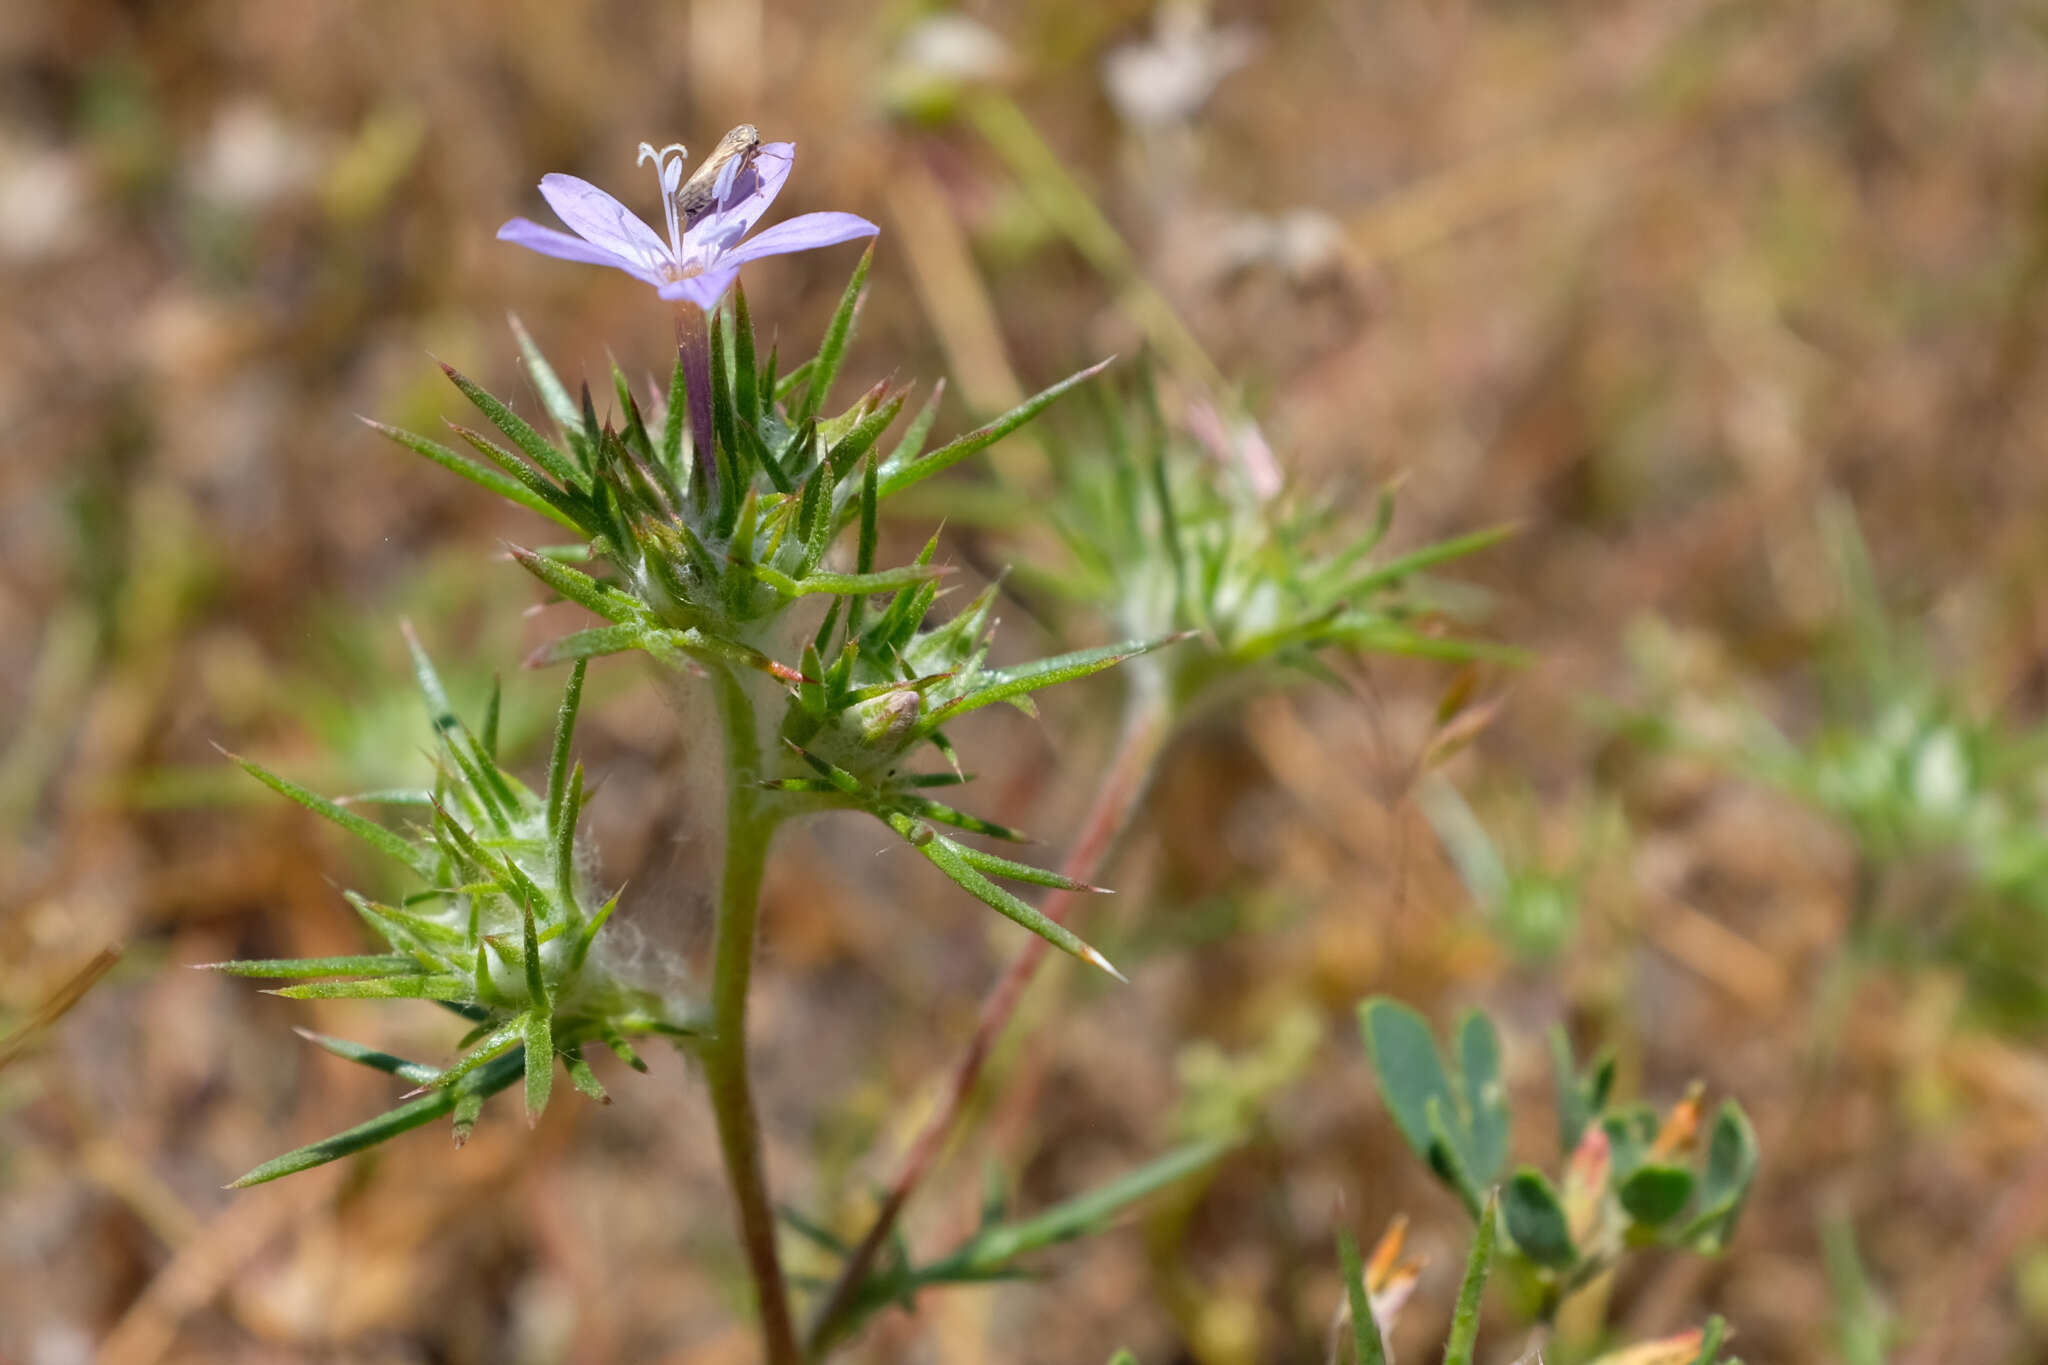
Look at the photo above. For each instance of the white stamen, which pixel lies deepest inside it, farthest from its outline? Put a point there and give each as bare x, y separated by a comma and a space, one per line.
660, 158
668, 167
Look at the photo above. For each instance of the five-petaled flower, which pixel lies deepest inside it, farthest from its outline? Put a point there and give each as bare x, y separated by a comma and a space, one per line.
704, 252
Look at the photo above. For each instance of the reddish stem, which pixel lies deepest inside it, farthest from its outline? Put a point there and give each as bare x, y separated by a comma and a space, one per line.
2021, 1213
1116, 801
693, 345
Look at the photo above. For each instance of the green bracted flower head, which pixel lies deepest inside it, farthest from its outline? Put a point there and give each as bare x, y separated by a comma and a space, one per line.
502, 935
698, 539
1193, 531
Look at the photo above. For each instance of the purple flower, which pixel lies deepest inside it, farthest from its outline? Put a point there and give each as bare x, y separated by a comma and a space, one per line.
704, 252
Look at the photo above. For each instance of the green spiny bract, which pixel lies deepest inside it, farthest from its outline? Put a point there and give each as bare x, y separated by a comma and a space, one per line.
892, 685
502, 935
1164, 536
705, 567
702, 572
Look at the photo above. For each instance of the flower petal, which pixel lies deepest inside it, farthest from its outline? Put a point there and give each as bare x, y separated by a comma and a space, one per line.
553, 242
752, 192
802, 233
704, 290
603, 221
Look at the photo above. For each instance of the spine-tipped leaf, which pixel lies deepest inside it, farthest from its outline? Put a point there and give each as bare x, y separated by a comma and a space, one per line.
945, 855
518, 430
507, 486
900, 477
292, 968
486, 1081
371, 833
577, 586
1007, 684
820, 372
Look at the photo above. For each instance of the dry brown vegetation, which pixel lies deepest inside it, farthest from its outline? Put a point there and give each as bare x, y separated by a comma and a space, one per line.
1651, 279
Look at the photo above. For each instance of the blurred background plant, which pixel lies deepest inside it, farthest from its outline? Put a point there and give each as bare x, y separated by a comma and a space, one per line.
1642, 283
1628, 1178
1530, 904
1945, 802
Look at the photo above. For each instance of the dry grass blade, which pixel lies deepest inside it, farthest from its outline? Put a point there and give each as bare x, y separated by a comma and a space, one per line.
57, 1004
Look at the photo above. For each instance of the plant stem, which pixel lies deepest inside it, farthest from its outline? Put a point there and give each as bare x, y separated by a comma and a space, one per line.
1147, 723
693, 347
749, 829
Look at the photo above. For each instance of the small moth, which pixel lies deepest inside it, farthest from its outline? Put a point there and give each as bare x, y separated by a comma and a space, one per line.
693, 200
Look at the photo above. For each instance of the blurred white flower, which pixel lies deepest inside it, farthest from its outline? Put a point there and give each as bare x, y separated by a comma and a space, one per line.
42, 202
253, 158
953, 47
1302, 244
1167, 78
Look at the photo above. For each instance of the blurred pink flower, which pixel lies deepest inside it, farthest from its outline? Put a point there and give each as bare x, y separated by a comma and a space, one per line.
1239, 446
704, 253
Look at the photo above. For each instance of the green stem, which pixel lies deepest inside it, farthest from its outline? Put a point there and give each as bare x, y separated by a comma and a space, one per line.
749, 829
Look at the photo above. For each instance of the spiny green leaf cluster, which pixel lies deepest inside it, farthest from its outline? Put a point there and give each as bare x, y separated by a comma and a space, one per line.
1163, 536
501, 934
890, 688
694, 547
702, 538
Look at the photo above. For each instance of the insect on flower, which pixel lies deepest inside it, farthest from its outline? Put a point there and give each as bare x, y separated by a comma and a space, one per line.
707, 217
694, 199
